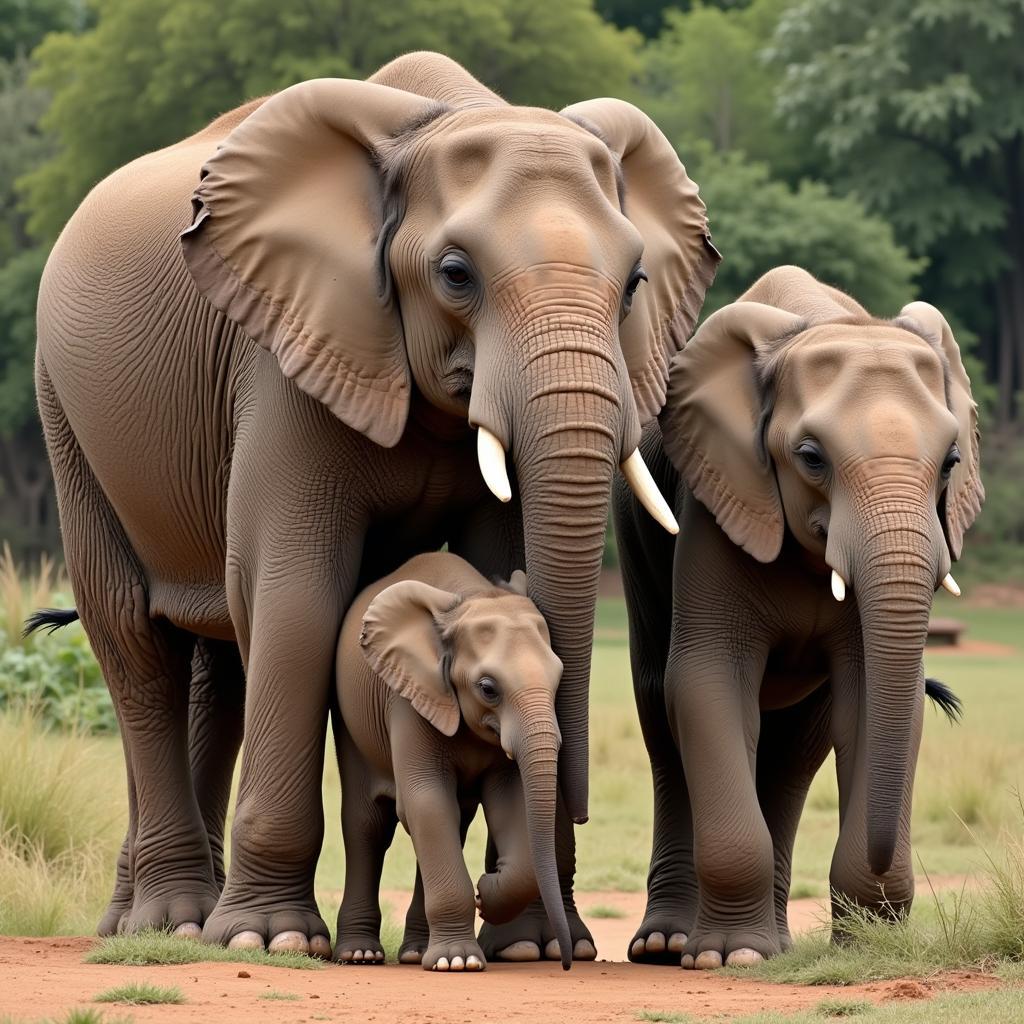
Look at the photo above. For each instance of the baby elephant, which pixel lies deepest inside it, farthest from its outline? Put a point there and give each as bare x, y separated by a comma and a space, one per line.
445, 684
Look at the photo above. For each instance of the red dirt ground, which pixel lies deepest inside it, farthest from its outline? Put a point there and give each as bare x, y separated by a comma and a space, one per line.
45, 977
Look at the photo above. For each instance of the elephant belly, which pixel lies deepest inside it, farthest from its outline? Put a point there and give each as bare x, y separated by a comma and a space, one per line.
792, 673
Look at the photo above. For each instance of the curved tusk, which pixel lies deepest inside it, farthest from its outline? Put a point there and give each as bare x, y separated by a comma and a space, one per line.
638, 476
491, 456
838, 586
951, 585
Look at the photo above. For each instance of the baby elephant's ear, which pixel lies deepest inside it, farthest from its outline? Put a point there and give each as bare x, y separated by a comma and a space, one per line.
401, 640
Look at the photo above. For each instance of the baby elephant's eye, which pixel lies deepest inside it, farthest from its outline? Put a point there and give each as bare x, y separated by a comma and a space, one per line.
811, 456
489, 690
951, 460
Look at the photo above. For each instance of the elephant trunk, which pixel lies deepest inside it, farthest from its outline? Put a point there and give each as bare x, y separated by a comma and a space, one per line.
537, 757
894, 581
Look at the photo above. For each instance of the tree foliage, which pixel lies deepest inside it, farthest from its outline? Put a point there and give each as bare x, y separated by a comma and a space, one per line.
759, 223
919, 106
152, 71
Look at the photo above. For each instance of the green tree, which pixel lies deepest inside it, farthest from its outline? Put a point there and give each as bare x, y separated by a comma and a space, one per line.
919, 105
759, 223
23, 23
704, 78
151, 71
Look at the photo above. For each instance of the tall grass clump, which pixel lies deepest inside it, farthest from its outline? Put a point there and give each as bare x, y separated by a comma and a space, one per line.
976, 927
55, 674
61, 821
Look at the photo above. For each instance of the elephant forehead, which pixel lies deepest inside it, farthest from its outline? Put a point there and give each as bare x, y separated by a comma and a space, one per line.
510, 149
853, 363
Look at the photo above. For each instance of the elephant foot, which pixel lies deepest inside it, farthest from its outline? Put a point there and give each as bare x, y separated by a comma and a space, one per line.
661, 936
359, 949
118, 909
294, 927
454, 955
182, 914
708, 948
530, 937
414, 945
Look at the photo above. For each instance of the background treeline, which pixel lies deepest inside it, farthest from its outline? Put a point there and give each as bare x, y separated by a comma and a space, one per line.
879, 143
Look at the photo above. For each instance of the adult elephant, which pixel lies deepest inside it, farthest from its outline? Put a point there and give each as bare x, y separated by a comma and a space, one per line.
825, 466
249, 410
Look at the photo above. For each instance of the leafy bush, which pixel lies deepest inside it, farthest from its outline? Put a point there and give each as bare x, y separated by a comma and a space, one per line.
54, 674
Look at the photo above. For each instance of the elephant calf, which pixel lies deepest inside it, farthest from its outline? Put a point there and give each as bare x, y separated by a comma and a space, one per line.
825, 468
445, 684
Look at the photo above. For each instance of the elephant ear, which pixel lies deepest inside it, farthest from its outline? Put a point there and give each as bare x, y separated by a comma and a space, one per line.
665, 207
965, 491
711, 421
286, 220
401, 640
437, 77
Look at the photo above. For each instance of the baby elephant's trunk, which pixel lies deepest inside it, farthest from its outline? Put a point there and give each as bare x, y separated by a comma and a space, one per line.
538, 765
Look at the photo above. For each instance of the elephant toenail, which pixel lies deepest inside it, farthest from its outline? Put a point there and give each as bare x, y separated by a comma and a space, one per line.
442, 964
552, 951
638, 947
520, 952
743, 958
473, 963
410, 956
188, 930
289, 942
709, 960
676, 942
584, 950
458, 963
656, 942
246, 940
686, 963
320, 947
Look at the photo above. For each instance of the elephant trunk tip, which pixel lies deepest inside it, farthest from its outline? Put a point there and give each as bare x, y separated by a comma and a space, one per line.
881, 849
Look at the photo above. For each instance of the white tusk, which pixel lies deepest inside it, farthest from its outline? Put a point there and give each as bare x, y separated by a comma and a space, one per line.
491, 456
638, 476
950, 584
838, 586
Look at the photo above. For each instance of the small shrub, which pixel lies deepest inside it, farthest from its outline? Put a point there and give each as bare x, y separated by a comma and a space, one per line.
274, 994
141, 993
842, 1007
604, 911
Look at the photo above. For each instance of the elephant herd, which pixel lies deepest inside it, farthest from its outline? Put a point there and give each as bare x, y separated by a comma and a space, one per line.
335, 392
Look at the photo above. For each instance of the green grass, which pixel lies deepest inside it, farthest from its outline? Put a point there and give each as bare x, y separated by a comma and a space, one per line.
991, 1007
275, 996
141, 993
602, 910
149, 948
76, 1015
842, 1008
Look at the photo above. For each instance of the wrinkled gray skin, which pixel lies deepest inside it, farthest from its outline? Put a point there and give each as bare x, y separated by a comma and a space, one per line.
239, 443
446, 687
746, 669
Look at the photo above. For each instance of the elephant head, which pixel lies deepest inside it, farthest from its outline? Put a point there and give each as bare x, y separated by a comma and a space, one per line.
794, 409
527, 271
485, 660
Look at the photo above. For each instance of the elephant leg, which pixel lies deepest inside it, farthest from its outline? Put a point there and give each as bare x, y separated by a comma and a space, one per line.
529, 936
850, 879
416, 936
277, 833
215, 720
146, 665
646, 559
124, 884
715, 703
793, 745
368, 823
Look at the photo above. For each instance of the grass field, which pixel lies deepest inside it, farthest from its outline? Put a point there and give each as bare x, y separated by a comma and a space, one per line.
62, 806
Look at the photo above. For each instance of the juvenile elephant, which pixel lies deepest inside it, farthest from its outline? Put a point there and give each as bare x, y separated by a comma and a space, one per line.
805, 441
256, 402
457, 689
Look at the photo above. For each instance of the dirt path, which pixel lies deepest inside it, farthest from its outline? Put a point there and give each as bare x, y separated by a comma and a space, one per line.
45, 977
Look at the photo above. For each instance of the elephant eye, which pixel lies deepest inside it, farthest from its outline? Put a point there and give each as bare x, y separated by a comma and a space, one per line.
489, 690
811, 456
455, 272
635, 278
951, 460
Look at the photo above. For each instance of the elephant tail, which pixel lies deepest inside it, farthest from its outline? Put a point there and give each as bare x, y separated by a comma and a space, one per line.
50, 619
945, 699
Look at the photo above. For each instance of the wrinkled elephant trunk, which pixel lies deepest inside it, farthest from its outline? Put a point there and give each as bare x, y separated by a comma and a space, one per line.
568, 419
894, 581
537, 756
